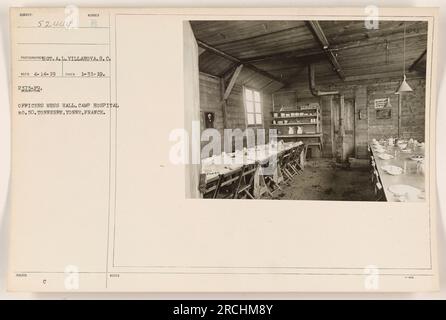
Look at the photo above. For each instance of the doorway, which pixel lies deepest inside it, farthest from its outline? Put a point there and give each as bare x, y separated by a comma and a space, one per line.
343, 119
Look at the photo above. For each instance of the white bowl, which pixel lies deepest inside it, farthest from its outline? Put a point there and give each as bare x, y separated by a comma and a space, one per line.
392, 170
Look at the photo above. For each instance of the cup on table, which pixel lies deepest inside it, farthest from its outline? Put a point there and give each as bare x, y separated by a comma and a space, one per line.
402, 197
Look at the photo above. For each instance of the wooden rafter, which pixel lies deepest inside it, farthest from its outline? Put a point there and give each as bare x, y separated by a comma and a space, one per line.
306, 53
228, 71
374, 42
232, 82
319, 35
226, 91
417, 61
201, 50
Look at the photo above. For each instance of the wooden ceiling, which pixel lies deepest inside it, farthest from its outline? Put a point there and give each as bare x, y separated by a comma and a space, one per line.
281, 50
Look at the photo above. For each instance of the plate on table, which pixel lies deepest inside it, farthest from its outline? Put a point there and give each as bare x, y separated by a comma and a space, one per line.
393, 170
417, 157
234, 166
402, 189
404, 192
385, 156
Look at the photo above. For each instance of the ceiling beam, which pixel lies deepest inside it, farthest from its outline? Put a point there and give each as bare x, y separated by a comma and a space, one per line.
374, 42
200, 51
266, 85
310, 54
229, 70
236, 60
319, 35
417, 61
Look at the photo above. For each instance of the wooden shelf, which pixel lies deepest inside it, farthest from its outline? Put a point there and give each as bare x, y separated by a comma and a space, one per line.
293, 124
294, 111
295, 117
303, 135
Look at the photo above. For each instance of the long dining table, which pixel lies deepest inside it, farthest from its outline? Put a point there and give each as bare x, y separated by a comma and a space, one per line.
410, 159
223, 163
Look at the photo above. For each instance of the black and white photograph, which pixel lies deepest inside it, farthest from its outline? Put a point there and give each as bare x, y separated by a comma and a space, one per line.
224, 152
312, 110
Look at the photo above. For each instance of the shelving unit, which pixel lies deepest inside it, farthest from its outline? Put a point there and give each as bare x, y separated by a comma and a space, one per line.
298, 122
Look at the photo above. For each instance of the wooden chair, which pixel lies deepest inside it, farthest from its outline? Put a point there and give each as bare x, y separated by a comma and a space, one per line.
295, 162
372, 167
209, 188
284, 160
379, 190
229, 183
300, 159
289, 164
246, 184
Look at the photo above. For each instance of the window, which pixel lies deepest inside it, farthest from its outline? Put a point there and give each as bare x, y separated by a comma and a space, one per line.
253, 107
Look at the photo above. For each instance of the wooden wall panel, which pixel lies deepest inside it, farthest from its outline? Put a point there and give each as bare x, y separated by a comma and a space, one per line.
210, 100
361, 122
285, 99
382, 128
327, 116
413, 111
235, 109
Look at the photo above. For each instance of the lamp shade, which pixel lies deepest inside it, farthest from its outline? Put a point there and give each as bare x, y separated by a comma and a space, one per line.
404, 87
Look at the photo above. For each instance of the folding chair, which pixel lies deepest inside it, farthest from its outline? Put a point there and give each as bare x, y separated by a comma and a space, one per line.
374, 176
379, 190
246, 184
229, 183
300, 159
294, 163
284, 160
268, 170
209, 188
289, 164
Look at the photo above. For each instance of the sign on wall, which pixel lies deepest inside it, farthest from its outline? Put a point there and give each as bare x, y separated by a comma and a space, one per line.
382, 103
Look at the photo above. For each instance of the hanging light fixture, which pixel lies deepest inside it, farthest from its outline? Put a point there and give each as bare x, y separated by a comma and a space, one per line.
404, 86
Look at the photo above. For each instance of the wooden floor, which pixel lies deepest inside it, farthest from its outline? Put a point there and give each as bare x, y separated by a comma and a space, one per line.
323, 180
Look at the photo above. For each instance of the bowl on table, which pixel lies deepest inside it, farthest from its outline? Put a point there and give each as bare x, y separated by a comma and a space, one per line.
380, 149
417, 157
392, 170
385, 156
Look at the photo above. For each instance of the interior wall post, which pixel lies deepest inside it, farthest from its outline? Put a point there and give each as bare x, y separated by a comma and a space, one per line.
341, 128
400, 98
223, 103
